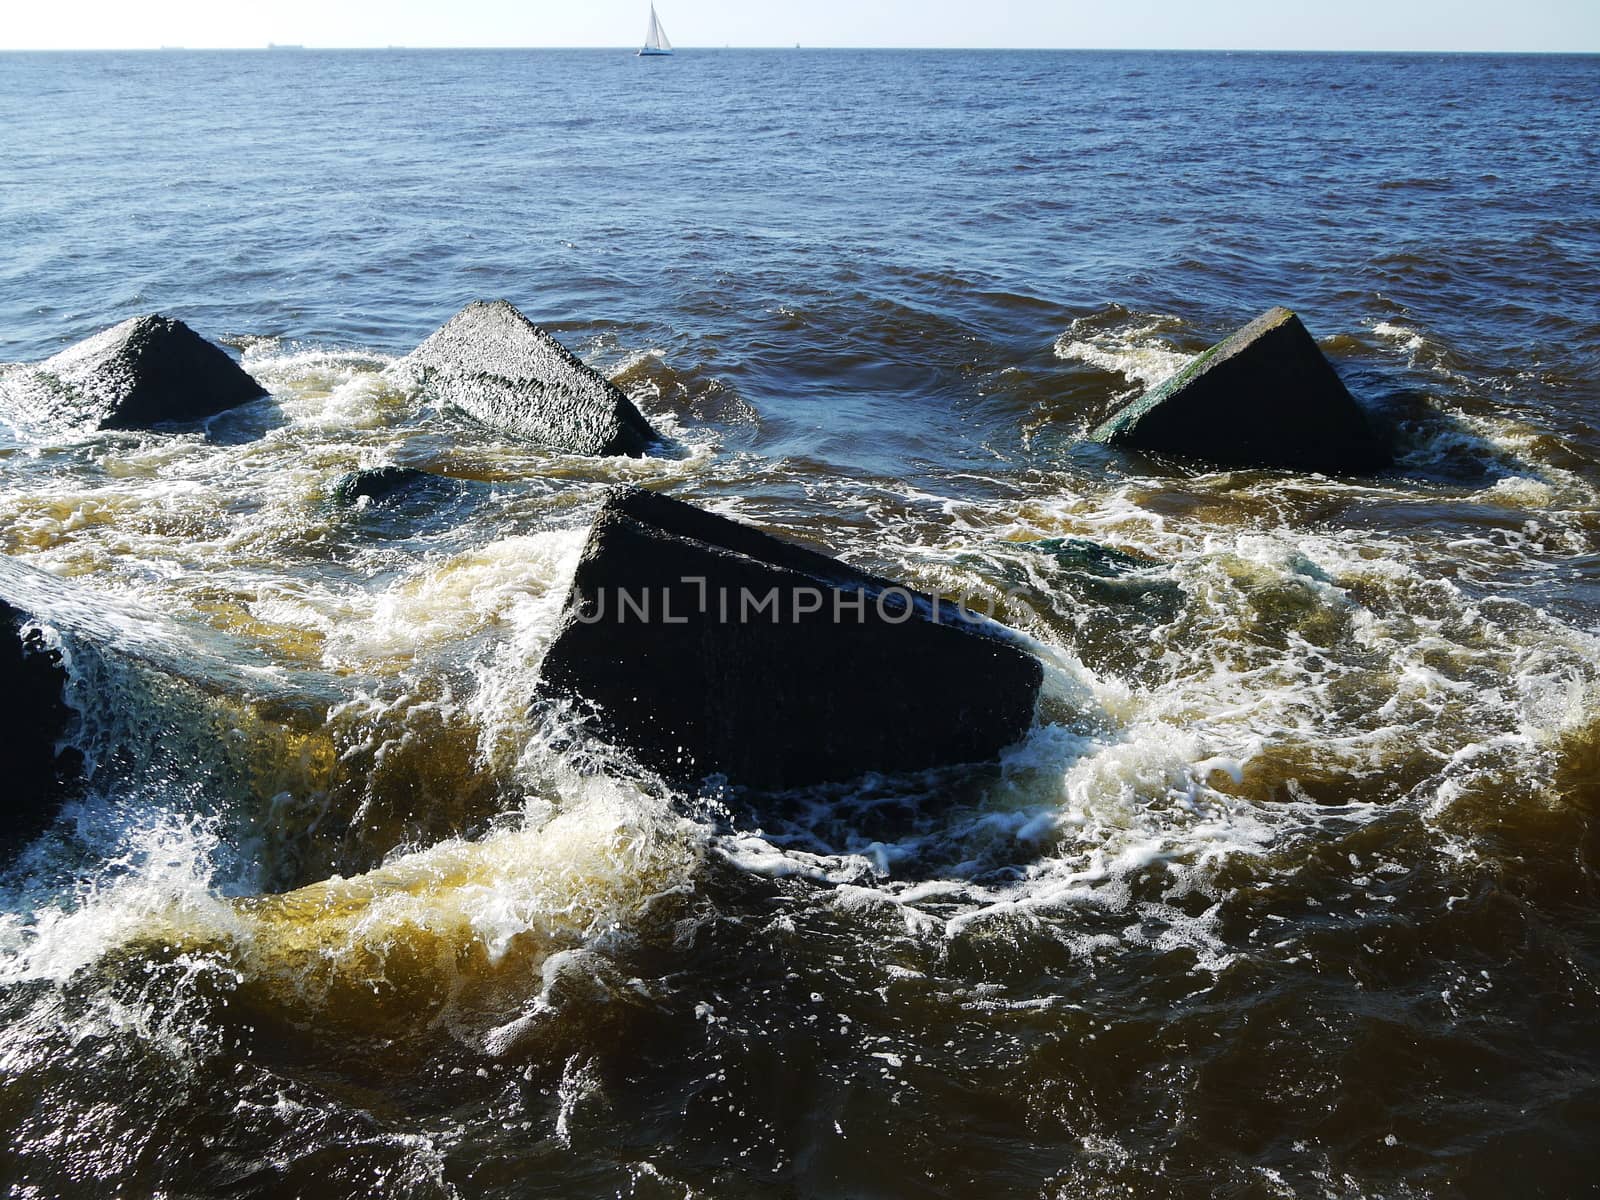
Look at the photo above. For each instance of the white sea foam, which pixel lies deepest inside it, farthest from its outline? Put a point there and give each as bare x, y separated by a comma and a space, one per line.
155, 885
446, 921
1297, 651
509, 583
1165, 781
1135, 350
1403, 336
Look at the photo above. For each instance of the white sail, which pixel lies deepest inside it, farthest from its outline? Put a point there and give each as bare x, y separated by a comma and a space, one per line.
655, 38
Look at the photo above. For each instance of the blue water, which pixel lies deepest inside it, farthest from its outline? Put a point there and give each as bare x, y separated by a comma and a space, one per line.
1289, 892
357, 197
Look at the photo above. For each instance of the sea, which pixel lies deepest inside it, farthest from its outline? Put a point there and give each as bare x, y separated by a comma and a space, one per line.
1291, 890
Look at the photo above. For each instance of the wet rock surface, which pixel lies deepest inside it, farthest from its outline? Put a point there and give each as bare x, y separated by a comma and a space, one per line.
33, 707
1265, 396
499, 368
709, 647
378, 484
149, 370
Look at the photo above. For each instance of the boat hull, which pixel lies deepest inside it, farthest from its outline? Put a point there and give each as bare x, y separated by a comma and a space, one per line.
655, 54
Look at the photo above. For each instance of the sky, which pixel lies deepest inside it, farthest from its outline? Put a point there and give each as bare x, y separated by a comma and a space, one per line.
1495, 25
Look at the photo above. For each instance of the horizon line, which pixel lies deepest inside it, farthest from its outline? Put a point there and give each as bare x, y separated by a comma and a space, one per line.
630, 48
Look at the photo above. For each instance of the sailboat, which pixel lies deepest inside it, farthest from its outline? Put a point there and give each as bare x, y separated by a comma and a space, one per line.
655, 38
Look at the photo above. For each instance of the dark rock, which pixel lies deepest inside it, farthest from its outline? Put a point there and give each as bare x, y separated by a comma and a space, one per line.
750, 658
492, 363
1263, 397
378, 483
146, 371
1091, 558
393, 501
1104, 584
34, 711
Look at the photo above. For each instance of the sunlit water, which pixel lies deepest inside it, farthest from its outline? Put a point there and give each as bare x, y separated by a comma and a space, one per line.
1291, 889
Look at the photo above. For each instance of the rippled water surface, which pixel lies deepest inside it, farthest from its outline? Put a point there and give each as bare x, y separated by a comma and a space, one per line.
1291, 889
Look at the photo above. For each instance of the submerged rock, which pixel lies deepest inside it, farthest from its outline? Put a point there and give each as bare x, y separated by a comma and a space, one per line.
394, 501
1097, 577
707, 647
146, 371
33, 707
378, 483
492, 363
1263, 397
1091, 558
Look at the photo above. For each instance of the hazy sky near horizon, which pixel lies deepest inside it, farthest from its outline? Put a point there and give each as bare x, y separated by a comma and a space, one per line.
1505, 25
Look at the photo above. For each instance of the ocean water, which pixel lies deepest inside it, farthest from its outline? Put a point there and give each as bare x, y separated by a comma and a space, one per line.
1290, 891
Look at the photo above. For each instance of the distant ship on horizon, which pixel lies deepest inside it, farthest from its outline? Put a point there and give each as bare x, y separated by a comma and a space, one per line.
655, 38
